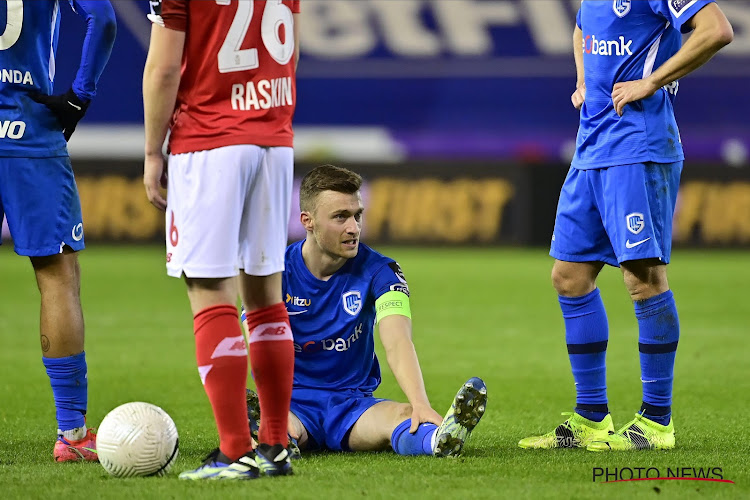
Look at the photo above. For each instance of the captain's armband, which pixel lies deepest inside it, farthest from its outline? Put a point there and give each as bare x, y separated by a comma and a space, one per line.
391, 303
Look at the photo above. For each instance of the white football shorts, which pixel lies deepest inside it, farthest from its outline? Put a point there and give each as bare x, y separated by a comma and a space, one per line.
228, 209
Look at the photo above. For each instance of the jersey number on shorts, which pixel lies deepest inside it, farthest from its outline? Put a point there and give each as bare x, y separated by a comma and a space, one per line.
275, 14
14, 20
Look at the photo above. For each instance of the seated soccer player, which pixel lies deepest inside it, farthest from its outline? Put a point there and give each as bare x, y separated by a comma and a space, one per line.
336, 290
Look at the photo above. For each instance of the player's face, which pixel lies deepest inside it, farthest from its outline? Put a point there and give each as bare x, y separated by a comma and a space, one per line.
337, 223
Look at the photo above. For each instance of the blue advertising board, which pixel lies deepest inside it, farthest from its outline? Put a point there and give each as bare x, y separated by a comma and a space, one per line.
447, 78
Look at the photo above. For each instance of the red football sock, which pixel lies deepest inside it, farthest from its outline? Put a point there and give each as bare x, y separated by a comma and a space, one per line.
222, 364
272, 359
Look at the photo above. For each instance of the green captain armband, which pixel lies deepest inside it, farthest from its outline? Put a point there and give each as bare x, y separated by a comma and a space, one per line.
391, 303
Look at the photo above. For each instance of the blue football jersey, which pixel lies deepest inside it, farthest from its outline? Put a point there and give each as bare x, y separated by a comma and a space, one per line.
626, 40
333, 321
28, 44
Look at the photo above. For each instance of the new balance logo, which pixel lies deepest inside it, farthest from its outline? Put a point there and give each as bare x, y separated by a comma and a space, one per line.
279, 330
230, 346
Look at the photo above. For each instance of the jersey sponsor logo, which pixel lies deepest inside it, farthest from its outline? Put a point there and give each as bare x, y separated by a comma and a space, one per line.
230, 346
621, 7
635, 222
16, 76
77, 232
635, 243
12, 129
398, 287
339, 344
297, 301
597, 47
352, 302
265, 94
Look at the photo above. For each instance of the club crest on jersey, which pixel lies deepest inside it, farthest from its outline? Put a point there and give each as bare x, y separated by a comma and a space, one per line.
635, 222
621, 7
352, 302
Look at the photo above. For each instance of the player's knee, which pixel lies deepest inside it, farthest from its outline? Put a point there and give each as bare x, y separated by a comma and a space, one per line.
644, 279
61, 270
642, 290
569, 283
403, 413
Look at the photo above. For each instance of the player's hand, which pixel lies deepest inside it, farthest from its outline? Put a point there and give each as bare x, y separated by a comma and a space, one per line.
578, 96
68, 108
421, 414
154, 178
627, 92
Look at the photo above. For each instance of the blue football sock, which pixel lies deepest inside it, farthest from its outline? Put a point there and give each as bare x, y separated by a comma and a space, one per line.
69, 388
659, 332
419, 443
587, 333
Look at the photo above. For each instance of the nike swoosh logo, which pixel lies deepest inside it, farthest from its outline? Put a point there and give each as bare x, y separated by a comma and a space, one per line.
77, 107
89, 449
647, 381
635, 244
294, 313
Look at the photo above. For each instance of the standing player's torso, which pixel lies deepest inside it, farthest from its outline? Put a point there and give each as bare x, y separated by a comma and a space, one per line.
27, 63
625, 40
332, 323
238, 82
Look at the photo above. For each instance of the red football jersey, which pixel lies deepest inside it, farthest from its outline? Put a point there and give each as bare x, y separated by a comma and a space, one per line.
238, 79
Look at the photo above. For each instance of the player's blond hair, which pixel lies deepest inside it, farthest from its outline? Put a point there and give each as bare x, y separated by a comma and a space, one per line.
326, 178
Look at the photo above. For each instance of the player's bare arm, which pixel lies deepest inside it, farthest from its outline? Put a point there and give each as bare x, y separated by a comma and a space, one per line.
395, 334
580, 93
161, 79
711, 32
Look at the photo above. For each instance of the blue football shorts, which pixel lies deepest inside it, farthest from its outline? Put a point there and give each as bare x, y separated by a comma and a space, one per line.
329, 415
39, 198
616, 214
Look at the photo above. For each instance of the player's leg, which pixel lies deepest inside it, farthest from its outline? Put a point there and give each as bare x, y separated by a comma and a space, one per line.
586, 334
387, 424
202, 227
62, 341
581, 247
642, 238
40, 199
263, 237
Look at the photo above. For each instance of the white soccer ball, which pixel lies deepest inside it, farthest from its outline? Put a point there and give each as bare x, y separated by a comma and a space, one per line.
137, 439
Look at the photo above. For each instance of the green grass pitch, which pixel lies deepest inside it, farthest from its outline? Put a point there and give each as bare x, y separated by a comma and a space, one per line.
485, 312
